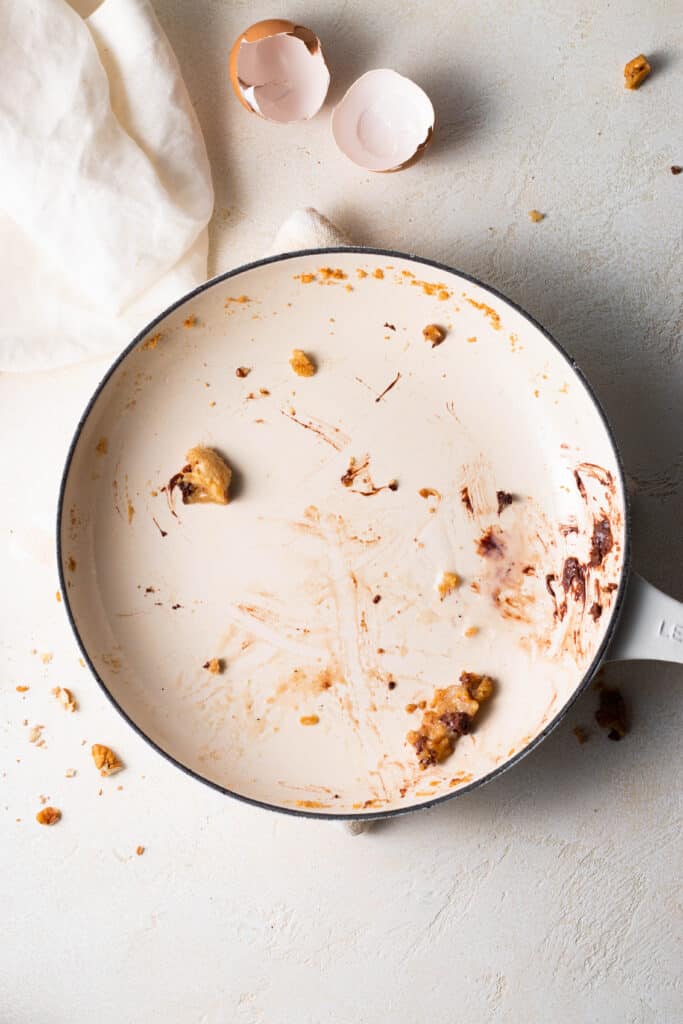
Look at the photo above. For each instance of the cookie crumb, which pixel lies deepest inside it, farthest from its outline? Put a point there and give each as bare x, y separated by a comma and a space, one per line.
214, 665
48, 816
243, 371
65, 698
302, 365
36, 734
676, 169
636, 71
471, 631
139, 850
536, 216
21, 689
434, 334
309, 720
449, 582
106, 761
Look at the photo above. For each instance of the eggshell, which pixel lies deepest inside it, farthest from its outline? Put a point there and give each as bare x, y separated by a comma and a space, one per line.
384, 121
278, 71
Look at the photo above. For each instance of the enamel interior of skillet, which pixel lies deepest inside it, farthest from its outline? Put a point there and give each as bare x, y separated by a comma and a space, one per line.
283, 582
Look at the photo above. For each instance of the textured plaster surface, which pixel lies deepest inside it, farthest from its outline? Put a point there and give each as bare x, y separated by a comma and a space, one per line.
550, 895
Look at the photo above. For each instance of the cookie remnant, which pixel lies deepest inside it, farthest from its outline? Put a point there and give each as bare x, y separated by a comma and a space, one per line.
449, 582
48, 816
106, 761
139, 850
243, 371
434, 334
302, 364
612, 714
636, 71
309, 720
205, 478
448, 717
504, 499
676, 169
601, 541
536, 216
490, 544
214, 665
65, 698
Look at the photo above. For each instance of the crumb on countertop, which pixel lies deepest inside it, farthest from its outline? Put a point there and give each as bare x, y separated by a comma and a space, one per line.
48, 816
309, 719
106, 761
536, 216
636, 71
65, 698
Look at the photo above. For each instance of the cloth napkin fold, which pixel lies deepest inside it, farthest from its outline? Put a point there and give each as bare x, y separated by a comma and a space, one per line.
105, 185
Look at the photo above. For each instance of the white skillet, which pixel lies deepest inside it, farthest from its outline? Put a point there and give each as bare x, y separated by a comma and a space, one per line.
282, 584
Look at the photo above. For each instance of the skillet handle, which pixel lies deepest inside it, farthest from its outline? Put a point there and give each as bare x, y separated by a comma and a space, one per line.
651, 625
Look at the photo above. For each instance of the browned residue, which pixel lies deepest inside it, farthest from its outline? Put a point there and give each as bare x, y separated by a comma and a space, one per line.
429, 492
581, 734
466, 500
388, 388
163, 533
490, 544
504, 498
612, 714
329, 434
309, 719
102, 446
358, 479
574, 579
310, 804
595, 611
601, 541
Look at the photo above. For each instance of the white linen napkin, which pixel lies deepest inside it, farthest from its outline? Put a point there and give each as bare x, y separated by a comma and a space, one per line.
105, 185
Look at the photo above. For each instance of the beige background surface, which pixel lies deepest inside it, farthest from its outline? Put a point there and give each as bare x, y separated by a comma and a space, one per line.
552, 893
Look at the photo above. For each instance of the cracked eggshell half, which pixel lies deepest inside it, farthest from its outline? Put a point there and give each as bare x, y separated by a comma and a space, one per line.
384, 121
278, 71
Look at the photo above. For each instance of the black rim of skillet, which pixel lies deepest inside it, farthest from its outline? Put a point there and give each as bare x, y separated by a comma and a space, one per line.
581, 686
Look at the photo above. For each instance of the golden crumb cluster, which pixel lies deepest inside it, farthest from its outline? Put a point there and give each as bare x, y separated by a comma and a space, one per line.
106, 761
214, 665
302, 364
449, 582
205, 478
636, 71
448, 717
434, 334
65, 698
